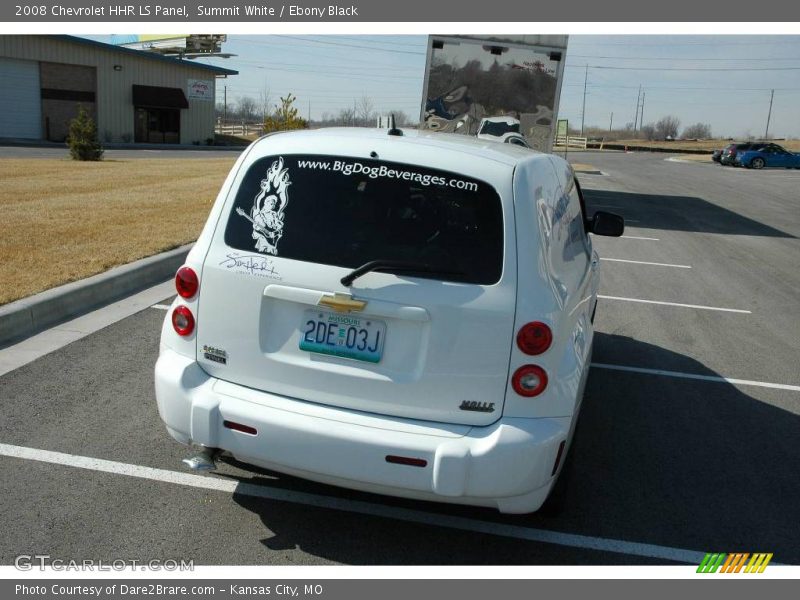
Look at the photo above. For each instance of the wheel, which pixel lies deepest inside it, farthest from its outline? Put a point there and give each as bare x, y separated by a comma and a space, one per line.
757, 163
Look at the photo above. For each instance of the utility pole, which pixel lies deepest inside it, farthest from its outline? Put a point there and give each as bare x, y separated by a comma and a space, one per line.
769, 114
610, 122
225, 107
636, 118
309, 112
583, 114
641, 119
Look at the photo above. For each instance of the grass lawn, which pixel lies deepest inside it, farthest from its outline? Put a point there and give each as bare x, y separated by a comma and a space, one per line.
64, 220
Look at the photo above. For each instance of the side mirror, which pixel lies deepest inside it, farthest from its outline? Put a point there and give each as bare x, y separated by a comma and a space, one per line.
606, 223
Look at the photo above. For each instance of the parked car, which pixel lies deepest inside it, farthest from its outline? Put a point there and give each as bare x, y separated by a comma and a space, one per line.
407, 313
497, 127
716, 155
770, 155
730, 151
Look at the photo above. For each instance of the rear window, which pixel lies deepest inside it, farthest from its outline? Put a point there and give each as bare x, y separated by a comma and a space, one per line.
499, 128
346, 212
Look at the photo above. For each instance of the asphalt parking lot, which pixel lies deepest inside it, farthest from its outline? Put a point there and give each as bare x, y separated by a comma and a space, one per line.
687, 442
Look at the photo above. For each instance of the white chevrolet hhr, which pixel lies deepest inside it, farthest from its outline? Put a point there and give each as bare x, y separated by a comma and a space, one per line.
396, 312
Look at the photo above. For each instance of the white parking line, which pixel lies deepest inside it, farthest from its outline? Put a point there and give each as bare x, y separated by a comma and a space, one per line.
160, 306
636, 237
777, 386
641, 262
700, 306
356, 506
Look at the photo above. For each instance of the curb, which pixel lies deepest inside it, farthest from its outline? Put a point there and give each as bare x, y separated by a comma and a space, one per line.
25, 317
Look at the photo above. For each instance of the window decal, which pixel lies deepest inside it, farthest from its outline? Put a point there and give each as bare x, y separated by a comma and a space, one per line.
269, 204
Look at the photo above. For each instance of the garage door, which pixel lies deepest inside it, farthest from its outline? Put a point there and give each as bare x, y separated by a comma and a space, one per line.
20, 99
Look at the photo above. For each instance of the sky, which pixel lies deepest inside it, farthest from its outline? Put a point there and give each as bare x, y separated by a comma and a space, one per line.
724, 81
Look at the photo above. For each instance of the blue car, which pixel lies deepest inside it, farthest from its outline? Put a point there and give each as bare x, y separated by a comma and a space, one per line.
770, 155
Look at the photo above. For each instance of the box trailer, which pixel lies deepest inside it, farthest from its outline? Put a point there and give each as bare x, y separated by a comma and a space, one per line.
472, 78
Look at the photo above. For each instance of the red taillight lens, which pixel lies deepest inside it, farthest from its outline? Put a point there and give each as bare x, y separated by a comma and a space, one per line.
529, 380
534, 338
186, 282
182, 321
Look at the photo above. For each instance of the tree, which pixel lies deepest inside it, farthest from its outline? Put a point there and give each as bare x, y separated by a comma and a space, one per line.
247, 107
285, 116
400, 117
365, 110
667, 127
264, 99
648, 131
82, 139
698, 131
347, 116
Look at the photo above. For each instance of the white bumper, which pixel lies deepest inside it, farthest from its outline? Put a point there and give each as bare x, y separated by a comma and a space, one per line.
507, 465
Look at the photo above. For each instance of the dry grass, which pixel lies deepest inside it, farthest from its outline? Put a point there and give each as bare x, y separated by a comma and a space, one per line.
64, 220
710, 145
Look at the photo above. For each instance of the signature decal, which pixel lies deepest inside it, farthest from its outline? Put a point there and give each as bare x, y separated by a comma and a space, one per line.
251, 264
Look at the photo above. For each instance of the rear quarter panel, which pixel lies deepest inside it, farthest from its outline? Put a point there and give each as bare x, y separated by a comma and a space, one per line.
556, 285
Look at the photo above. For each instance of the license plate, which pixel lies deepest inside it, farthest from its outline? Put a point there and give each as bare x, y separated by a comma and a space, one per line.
342, 335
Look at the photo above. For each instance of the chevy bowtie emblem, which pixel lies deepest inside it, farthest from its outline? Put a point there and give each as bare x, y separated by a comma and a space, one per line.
342, 302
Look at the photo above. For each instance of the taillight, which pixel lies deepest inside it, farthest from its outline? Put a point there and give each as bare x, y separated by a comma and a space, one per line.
186, 282
529, 380
182, 320
534, 338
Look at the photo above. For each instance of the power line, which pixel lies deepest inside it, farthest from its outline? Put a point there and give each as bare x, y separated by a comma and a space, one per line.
613, 68
678, 58
374, 49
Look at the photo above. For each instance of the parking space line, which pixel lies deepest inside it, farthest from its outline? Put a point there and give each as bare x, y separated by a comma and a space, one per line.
357, 506
716, 378
160, 306
636, 237
641, 262
700, 306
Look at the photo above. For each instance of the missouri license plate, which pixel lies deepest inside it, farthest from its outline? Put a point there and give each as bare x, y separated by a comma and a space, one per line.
343, 335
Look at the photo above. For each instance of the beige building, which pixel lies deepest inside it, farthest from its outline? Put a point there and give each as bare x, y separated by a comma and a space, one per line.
134, 96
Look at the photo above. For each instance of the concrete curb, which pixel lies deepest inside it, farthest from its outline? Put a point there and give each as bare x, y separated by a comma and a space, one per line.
23, 318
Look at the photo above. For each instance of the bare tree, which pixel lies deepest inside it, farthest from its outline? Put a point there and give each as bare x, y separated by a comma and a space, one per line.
247, 108
667, 127
648, 131
346, 116
697, 131
264, 99
365, 108
400, 117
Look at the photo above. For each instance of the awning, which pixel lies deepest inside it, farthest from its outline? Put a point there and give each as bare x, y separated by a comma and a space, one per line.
159, 97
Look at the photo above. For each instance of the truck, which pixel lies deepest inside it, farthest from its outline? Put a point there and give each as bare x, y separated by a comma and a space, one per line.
495, 84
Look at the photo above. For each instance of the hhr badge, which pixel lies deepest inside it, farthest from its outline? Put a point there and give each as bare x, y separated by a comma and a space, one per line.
476, 406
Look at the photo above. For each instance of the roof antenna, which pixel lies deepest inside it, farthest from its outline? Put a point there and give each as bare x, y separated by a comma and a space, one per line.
393, 130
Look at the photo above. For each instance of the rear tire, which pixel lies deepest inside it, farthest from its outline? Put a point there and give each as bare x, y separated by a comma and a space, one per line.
757, 163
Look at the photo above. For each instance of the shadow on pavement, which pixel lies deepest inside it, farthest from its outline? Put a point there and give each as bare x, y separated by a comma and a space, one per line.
676, 213
690, 464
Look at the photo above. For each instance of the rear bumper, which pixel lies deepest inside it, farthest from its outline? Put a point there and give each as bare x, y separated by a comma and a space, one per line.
507, 465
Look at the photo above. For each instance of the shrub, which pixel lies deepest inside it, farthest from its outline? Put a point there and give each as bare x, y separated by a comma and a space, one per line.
82, 139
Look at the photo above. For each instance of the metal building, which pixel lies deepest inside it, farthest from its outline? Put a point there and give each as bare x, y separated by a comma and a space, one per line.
133, 96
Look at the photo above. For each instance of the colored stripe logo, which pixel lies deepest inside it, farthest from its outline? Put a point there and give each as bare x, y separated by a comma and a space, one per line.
734, 563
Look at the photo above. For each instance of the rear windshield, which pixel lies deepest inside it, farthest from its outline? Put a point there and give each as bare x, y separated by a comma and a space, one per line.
499, 128
349, 211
